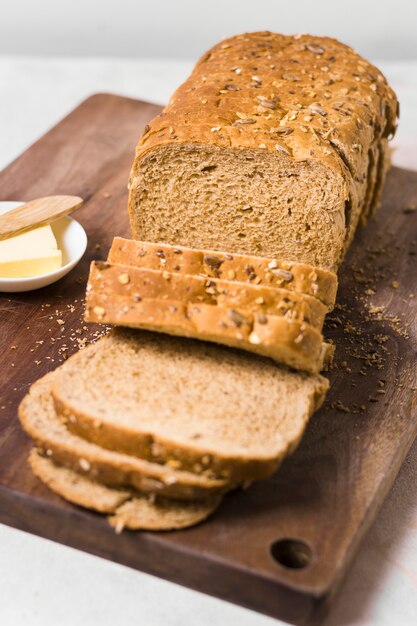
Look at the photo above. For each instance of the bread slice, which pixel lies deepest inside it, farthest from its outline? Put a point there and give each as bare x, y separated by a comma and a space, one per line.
127, 508
299, 277
191, 405
39, 419
292, 343
141, 299
137, 283
268, 148
295, 344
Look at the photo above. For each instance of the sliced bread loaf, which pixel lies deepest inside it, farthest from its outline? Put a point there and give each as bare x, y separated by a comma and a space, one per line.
191, 405
39, 419
128, 509
111, 280
299, 277
275, 145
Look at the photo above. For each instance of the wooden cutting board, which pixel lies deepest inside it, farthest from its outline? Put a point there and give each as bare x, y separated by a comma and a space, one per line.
282, 546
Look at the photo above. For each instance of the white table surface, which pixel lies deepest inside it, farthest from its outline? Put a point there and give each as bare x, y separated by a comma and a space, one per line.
43, 583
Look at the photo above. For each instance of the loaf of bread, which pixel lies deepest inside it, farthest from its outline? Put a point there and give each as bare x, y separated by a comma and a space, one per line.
270, 155
255, 270
275, 146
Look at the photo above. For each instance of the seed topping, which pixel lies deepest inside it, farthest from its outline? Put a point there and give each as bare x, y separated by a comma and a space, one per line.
124, 279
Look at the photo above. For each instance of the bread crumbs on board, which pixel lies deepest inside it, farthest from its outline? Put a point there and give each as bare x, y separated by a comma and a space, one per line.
368, 326
72, 335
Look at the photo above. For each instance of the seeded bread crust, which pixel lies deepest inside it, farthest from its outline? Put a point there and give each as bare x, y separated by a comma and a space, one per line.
299, 277
41, 422
136, 283
193, 384
128, 509
297, 106
288, 342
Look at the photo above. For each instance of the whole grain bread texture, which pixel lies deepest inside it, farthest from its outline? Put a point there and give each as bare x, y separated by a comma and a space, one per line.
40, 421
275, 146
298, 277
127, 509
193, 406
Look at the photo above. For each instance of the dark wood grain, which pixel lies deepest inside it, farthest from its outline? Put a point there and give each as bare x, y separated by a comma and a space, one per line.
327, 493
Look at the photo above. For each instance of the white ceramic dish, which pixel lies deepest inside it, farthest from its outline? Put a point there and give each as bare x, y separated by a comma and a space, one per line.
72, 240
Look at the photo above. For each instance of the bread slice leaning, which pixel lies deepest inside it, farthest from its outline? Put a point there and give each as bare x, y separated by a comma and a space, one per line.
41, 422
138, 283
194, 406
127, 508
298, 277
289, 342
187, 306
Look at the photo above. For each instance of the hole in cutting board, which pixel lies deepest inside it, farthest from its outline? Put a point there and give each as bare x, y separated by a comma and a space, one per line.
291, 553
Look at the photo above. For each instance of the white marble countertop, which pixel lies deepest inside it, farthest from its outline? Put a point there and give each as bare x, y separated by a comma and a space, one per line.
43, 583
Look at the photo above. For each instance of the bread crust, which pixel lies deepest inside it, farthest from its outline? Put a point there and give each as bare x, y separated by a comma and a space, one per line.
295, 344
303, 99
137, 284
128, 509
299, 277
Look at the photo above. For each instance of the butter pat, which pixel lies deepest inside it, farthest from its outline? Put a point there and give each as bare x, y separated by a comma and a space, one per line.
32, 253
